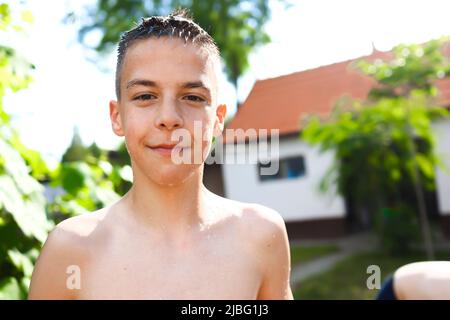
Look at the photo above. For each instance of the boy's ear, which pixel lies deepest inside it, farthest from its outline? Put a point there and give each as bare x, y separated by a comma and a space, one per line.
221, 112
116, 121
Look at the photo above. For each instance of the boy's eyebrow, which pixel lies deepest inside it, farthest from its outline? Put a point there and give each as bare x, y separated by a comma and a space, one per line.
150, 83
141, 82
196, 84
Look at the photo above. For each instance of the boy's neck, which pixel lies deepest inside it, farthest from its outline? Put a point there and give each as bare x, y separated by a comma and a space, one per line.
172, 209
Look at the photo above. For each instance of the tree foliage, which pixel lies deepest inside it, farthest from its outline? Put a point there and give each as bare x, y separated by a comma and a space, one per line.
28, 210
90, 168
76, 151
23, 220
379, 143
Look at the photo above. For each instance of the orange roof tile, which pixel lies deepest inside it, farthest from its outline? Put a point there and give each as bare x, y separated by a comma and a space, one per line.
280, 103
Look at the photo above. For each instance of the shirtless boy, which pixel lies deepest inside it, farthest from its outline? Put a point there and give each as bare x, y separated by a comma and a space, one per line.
168, 237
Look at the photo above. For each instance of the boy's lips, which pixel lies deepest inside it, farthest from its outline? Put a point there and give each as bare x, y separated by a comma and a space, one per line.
164, 146
166, 149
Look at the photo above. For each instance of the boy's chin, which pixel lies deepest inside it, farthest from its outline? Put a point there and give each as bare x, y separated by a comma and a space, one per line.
173, 177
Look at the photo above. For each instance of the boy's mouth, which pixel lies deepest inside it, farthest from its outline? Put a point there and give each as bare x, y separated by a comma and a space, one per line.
165, 149
163, 146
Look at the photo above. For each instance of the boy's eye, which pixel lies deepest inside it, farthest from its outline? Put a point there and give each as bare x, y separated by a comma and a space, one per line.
143, 97
195, 98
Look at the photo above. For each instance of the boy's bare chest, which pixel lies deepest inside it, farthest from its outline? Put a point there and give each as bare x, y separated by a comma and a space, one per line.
216, 269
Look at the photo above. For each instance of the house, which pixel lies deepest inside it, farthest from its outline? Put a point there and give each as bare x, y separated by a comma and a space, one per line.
279, 103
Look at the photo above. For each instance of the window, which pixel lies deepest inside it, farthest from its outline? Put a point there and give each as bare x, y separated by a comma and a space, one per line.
289, 168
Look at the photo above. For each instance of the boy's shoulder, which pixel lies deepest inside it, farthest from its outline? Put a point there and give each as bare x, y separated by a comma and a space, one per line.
85, 222
253, 211
67, 246
256, 220
74, 235
263, 217
79, 226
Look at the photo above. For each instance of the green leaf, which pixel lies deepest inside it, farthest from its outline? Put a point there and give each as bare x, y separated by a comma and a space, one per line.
425, 165
21, 261
38, 167
10, 289
30, 214
15, 166
73, 179
71, 207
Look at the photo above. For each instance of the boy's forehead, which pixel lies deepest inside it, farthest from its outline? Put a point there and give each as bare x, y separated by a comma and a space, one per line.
170, 59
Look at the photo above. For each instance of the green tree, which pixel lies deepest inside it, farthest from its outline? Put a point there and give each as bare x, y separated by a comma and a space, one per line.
88, 179
23, 220
121, 175
384, 146
87, 185
83, 170
76, 151
26, 214
94, 150
236, 25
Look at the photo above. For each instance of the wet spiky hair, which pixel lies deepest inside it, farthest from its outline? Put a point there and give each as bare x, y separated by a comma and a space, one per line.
178, 24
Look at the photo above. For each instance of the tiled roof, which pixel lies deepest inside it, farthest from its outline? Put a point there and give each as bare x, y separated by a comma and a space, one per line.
281, 102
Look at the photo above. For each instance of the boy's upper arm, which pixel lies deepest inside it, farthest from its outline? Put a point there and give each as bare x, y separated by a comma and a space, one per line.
274, 246
59, 255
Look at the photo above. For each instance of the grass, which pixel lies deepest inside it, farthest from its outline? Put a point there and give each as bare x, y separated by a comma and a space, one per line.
347, 279
301, 254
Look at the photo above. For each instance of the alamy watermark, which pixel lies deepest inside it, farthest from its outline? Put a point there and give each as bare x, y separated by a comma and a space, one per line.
252, 147
73, 281
374, 280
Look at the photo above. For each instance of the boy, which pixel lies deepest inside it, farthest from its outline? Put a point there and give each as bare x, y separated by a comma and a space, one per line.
168, 237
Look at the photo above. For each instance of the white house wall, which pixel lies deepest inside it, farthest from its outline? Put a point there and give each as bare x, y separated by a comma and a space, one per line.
442, 132
296, 199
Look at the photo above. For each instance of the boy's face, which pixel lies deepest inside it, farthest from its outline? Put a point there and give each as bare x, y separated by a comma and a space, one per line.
166, 86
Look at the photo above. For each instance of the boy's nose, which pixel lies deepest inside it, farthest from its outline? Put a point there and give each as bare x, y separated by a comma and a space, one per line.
168, 116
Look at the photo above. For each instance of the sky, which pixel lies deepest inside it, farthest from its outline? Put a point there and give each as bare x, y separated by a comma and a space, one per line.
68, 90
